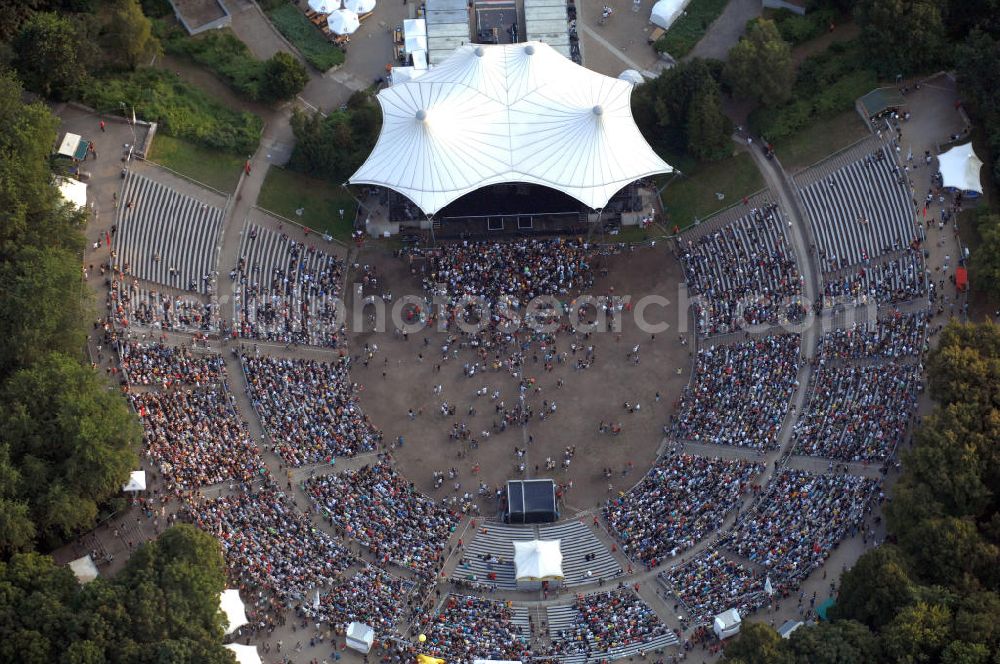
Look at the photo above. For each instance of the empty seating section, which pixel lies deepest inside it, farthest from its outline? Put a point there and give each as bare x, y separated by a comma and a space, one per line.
605, 626
164, 236
286, 291
860, 210
682, 499
468, 628
578, 544
711, 583
742, 273
857, 413
489, 557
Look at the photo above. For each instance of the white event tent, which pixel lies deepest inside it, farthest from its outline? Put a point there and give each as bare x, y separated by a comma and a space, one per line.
232, 606
324, 6
244, 654
960, 168
492, 114
538, 560
136, 481
360, 637
343, 22
84, 569
73, 191
665, 12
360, 7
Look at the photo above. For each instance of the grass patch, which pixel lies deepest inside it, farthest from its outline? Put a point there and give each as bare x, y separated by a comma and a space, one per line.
819, 140
285, 191
181, 110
692, 195
222, 53
689, 28
312, 44
219, 170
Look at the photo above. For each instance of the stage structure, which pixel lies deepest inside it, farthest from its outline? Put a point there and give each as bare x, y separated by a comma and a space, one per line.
508, 137
531, 501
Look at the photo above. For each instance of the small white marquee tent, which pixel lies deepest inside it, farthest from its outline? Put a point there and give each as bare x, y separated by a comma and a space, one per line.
231, 605
343, 22
538, 560
632, 76
136, 481
245, 654
727, 624
960, 169
324, 6
665, 12
360, 637
84, 569
74, 191
360, 6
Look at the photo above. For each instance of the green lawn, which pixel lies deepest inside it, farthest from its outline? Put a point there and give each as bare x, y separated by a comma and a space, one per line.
819, 139
690, 27
286, 191
311, 42
693, 194
219, 170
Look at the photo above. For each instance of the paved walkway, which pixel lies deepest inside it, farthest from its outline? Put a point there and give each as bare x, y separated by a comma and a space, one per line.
726, 30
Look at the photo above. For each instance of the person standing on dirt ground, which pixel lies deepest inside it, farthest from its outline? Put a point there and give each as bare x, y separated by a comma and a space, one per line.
102, 126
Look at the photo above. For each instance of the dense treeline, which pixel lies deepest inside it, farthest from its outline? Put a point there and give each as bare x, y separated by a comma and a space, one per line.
334, 146
66, 443
163, 607
931, 593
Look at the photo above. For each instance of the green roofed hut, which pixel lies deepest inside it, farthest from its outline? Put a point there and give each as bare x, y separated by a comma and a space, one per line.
881, 100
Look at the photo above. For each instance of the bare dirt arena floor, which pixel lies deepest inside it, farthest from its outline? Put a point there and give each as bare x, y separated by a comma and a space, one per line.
397, 380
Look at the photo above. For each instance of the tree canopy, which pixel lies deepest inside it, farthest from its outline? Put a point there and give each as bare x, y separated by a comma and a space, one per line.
67, 444
760, 66
902, 36
932, 596
681, 110
48, 55
333, 147
163, 607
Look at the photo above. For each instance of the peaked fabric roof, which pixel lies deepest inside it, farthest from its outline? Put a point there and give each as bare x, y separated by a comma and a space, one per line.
960, 168
491, 114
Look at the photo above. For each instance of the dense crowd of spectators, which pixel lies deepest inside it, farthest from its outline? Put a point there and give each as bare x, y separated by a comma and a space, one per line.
608, 620
290, 295
269, 546
132, 305
799, 520
511, 272
711, 583
370, 596
857, 413
743, 274
196, 438
308, 408
893, 336
681, 499
898, 280
383, 511
162, 365
470, 628
739, 393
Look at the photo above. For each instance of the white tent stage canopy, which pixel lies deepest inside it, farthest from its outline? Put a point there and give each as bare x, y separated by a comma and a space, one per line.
960, 168
665, 12
245, 654
538, 560
492, 114
231, 605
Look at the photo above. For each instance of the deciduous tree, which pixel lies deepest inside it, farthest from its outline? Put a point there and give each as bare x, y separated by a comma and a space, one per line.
760, 66
47, 56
